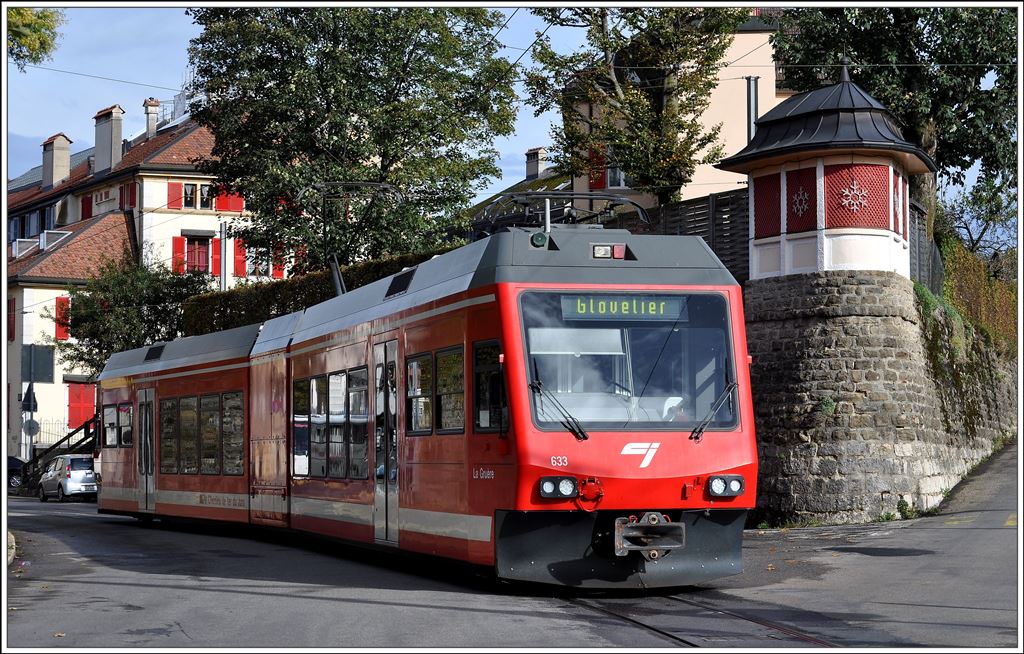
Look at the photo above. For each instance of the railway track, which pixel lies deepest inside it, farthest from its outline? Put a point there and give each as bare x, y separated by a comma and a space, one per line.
689, 623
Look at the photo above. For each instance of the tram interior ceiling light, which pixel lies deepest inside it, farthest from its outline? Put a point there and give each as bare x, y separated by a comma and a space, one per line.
559, 487
726, 485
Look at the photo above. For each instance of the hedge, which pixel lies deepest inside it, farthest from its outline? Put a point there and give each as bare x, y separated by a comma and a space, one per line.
247, 304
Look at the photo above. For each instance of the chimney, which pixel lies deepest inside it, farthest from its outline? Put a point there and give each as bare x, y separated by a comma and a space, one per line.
536, 162
108, 137
152, 107
56, 159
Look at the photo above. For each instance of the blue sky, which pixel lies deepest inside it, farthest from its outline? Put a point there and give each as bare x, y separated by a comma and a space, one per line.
149, 46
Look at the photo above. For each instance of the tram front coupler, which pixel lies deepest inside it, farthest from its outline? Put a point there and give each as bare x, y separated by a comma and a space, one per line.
653, 534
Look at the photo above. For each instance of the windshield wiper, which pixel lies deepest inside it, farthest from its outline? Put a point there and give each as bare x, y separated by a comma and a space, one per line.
569, 421
698, 432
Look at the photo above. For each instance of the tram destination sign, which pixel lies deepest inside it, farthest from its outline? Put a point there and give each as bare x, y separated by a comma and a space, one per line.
626, 307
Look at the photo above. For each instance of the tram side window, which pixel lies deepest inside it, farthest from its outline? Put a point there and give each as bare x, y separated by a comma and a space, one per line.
188, 420
232, 432
300, 428
110, 432
337, 416
490, 407
124, 423
358, 424
451, 404
209, 433
419, 391
169, 437
318, 427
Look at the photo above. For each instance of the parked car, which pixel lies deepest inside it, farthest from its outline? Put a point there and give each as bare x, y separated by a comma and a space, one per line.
15, 468
68, 475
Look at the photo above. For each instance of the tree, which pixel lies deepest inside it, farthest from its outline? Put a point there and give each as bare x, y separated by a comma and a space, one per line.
32, 34
948, 74
632, 95
984, 218
124, 306
298, 98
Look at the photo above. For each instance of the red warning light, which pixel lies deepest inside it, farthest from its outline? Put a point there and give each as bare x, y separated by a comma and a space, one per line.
619, 251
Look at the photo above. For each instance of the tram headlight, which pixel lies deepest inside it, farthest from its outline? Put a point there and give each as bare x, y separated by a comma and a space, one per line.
726, 485
558, 487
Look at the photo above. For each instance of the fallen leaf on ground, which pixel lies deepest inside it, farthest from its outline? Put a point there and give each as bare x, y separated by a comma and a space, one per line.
770, 567
59, 634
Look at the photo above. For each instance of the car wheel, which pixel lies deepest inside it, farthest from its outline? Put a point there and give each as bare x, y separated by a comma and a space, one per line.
60, 494
14, 480
42, 494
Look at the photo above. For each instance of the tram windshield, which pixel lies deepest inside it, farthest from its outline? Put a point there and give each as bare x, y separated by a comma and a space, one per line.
629, 361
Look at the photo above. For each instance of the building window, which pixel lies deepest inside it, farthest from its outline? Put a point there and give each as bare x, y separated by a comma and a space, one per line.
318, 427
189, 196
197, 253
50, 219
451, 407
233, 433
206, 196
110, 425
419, 392
209, 434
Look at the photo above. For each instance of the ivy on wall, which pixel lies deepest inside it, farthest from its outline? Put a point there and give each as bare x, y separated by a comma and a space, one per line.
987, 303
252, 303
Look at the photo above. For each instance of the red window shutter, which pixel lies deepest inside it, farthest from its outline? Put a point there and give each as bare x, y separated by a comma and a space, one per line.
86, 207
81, 403
278, 271
229, 201
131, 194
240, 267
12, 306
175, 194
599, 176
62, 316
178, 254
215, 256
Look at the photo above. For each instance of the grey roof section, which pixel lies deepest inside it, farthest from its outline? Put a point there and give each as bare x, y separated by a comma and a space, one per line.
35, 175
509, 257
840, 116
188, 351
276, 334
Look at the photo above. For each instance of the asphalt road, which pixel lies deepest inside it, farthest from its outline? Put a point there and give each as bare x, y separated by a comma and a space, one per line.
85, 580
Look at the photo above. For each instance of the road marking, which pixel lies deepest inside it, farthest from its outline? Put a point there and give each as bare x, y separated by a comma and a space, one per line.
960, 521
1011, 521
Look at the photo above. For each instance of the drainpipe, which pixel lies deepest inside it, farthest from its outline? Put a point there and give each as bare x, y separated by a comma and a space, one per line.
751, 105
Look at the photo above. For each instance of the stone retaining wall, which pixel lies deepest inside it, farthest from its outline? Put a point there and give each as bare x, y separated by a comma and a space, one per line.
859, 401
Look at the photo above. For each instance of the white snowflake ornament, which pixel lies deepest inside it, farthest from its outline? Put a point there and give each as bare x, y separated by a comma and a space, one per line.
854, 198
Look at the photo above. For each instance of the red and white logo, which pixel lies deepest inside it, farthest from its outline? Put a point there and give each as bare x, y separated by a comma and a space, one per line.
647, 449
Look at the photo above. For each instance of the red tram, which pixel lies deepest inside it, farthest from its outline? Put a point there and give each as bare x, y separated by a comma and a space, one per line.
568, 406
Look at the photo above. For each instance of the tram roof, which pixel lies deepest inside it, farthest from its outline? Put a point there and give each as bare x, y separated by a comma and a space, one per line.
506, 256
510, 257
188, 351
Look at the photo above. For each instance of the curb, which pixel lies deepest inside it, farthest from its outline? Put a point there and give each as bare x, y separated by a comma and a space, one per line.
11, 547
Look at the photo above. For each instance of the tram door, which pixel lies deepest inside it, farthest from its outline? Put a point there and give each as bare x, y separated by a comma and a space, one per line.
147, 485
385, 509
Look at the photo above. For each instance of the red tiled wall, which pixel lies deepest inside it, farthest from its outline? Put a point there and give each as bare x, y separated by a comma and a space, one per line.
804, 179
767, 217
872, 182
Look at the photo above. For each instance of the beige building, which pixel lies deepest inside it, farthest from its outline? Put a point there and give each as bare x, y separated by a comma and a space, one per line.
748, 74
66, 215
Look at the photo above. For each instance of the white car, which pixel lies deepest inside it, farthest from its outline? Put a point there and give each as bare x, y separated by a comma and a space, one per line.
68, 475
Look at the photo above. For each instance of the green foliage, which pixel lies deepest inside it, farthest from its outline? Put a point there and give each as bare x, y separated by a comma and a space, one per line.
126, 305
985, 220
896, 54
252, 303
989, 304
648, 74
298, 98
905, 509
888, 516
927, 302
826, 406
32, 34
